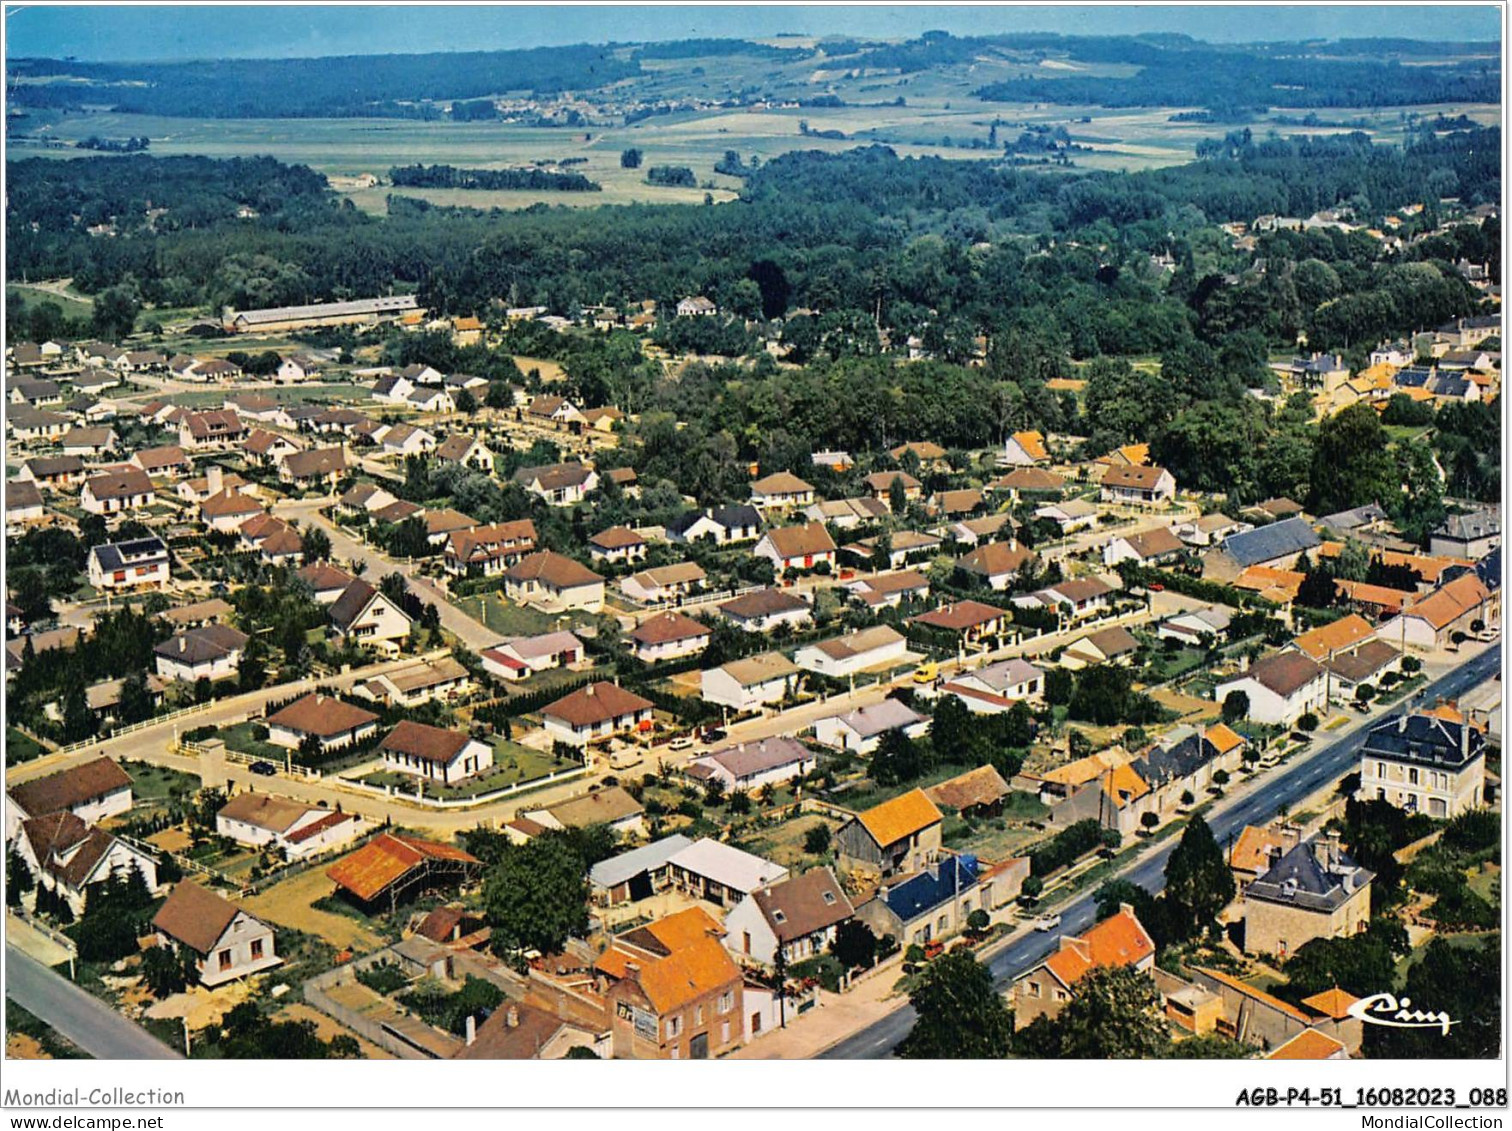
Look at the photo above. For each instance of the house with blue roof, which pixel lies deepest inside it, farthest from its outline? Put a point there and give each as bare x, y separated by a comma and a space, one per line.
1277, 545
932, 903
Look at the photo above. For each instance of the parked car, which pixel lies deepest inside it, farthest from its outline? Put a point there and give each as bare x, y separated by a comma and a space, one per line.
263, 769
712, 734
681, 742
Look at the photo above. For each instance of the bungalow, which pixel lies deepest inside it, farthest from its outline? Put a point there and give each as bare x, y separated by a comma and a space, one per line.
213, 428
1276, 545
861, 730
888, 590
169, 461
797, 547
36, 393
1209, 529
1024, 449
226, 942
1281, 688
902, 546
227, 510
211, 651
127, 565
722, 525
419, 373
668, 636
997, 563
434, 753
663, 583
720, 873
597, 711
1201, 627
1071, 515
972, 621
27, 423
430, 680
556, 412
846, 514
780, 491
1115, 645
617, 544
765, 609
602, 419
696, 306
524, 656
53, 472
316, 467
92, 442
554, 583
489, 550
365, 616
927, 452
465, 451
276, 541
254, 406
268, 447
92, 791
751, 765
1137, 484
858, 651
751, 683
126, 488
560, 484
23, 506
797, 917
1119, 941
1078, 598
68, 857
879, 483
1456, 607
995, 688
1151, 547
404, 440
610, 805
899, 836
323, 719
295, 829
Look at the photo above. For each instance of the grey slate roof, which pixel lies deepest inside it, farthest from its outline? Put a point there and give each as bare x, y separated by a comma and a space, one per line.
627, 865
1425, 740
1300, 879
1264, 543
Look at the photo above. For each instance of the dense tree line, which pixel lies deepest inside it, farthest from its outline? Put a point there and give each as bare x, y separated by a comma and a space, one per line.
450, 177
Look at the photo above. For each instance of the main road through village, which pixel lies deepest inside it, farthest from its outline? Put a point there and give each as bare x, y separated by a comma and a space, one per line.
1284, 787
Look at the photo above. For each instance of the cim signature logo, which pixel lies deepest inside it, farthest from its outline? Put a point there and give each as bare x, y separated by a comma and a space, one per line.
1389, 1010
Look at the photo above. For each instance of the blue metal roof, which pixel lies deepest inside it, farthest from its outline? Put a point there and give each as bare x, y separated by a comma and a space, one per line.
1265, 543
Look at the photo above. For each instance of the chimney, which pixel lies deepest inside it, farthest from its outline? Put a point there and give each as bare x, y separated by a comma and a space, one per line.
183, 644
472, 1029
214, 479
512, 1017
589, 691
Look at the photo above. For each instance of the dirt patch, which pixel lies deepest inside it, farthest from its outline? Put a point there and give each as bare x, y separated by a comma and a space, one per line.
170, 840
327, 1028
287, 904
1188, 706
550, 370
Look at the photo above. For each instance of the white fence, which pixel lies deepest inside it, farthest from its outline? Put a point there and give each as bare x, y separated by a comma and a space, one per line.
395, 794
132, 728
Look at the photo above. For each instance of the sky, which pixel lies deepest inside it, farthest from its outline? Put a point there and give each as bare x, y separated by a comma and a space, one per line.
160, 32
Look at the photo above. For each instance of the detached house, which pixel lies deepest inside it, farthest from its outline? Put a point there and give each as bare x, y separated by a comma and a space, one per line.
722, 525
554, 583
68, 857
331, 722
596, 712
1281, 688
123, 489
765, 609
1424, 764
751, 765
668, 636
127, 565
781, 491
617, 544
663, 583
797, 547
524, 656
798, 916
313, 468
996, 563
1314, 891
1118, 941
1152, 547
364, 615
895, 837
972, 621
751, 683
858, 651
295, 829
434, 753
465, 451
560, 484
92, 791
861, 730
489, 550
215, 428
1138, 484
210, 651
1456, 607
995, 688
227, 942
1024, 449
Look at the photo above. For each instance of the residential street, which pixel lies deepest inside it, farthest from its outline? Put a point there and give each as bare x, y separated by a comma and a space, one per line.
84, 1020
1286, 785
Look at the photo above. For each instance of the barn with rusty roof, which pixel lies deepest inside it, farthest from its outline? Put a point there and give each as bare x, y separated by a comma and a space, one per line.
392, 869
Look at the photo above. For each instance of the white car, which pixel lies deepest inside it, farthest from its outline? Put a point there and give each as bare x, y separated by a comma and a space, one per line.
1047, 922
681, 742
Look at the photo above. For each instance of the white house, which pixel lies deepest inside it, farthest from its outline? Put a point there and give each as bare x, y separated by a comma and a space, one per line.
365, 615
751, 765
797, 547
207, 651
92, 791
597, 711
434, 753
330, 722
128, 565
68, 857
749, 684
855, 652
997, 687
1196, 626
765, 609
862, 729
721, 525
524, 656
663, 583
228, 942
780, 491
668, 636
1137, 483
296, 829
553, 583
1281, 688
125, 488
799, 915
560, 484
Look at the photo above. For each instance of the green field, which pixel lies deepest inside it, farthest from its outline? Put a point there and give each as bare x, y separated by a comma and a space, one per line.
21, 747
72, 304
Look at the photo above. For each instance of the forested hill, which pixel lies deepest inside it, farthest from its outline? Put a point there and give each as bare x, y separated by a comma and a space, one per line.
340, 87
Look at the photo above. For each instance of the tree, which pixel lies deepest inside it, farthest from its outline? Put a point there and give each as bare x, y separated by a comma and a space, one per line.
136, 699
316, 544
536, 896
1113, 1015
1032, 887
714, 792
1149, 821
1351, 465
630, 158
1199, 883
18, 878
960, 1015
817, 840
467, 404
167, 971
896, 759
855, 945
951, 730
978, 921
115, 312
1236, 707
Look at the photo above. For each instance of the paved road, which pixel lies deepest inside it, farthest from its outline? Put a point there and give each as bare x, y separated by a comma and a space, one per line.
1285, 786
84, 1020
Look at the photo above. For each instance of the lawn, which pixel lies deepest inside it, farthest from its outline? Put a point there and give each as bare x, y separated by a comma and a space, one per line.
239, 738
783, 843
21, 747
159, 783
513, 765
509, 619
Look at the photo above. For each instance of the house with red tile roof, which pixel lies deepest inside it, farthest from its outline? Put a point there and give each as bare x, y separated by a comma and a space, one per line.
1118, 941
